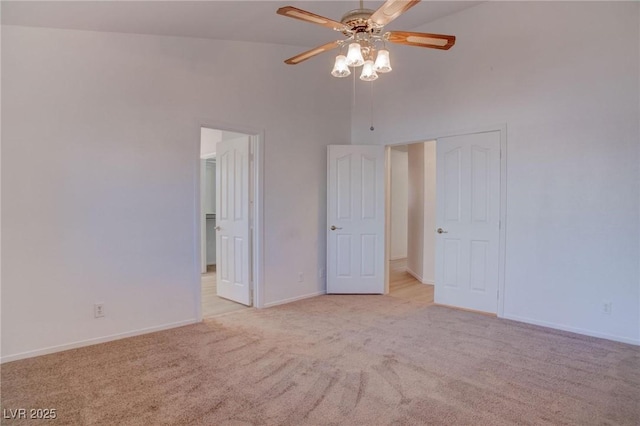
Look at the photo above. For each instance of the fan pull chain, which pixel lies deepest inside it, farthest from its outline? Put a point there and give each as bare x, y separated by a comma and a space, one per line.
371, 98
354, 88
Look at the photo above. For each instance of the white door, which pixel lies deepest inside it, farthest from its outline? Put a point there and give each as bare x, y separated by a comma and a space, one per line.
467, 217
355, 219
233, 245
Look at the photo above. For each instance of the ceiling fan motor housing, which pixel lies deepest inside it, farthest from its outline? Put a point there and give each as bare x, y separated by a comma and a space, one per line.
357, 21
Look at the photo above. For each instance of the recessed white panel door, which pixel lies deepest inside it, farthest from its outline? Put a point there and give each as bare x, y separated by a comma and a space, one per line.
355, 228
232, 218
468, 220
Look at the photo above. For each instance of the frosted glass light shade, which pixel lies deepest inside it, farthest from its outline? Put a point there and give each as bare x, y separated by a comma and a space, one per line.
340, 68
368, 73
354, 55
383, 64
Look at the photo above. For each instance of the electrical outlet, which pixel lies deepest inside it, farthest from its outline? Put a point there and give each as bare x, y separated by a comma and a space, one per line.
300, 277
98, 310
606, 307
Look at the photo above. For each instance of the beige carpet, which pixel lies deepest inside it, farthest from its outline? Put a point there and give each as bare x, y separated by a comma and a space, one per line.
337, 360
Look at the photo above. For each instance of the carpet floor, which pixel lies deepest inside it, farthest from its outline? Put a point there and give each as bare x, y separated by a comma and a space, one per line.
337, 360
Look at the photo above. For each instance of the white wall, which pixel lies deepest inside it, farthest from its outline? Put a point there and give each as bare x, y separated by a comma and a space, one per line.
1, 174
101, 141
399, 203
415, 249
208, 140
429, 239
210, 188
569, 96
422, 211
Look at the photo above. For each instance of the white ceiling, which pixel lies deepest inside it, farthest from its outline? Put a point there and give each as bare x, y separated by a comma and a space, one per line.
254, 21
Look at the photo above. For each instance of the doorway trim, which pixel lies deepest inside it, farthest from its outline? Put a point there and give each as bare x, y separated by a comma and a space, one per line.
502, 239
256, 137
203, 243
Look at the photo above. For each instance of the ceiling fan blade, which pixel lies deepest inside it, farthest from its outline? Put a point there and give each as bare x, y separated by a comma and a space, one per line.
303, 15
390, 10
434, 41
311, 53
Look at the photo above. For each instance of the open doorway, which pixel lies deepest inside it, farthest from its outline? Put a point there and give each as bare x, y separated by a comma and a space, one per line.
411, 220
455, 216
227, 220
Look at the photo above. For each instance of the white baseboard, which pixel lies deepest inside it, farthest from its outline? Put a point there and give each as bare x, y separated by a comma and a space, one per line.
577, 330
293, 299
419, 278
89, 342
397, 258
414, 275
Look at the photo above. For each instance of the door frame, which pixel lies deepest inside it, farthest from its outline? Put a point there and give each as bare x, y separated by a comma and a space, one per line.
256, 187
502, 238
203, 220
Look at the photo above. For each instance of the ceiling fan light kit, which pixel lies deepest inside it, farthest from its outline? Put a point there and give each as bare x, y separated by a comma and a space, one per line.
340, 68
368, 73
364, 30
355, 58
354, 55
383, 64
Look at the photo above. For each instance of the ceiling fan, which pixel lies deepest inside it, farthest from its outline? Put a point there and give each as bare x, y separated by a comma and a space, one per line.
366, 38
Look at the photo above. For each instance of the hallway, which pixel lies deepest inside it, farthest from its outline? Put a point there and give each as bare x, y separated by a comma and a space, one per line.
402, 285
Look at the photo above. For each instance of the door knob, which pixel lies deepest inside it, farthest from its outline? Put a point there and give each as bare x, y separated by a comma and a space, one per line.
333, 227
441, 231
218, 228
